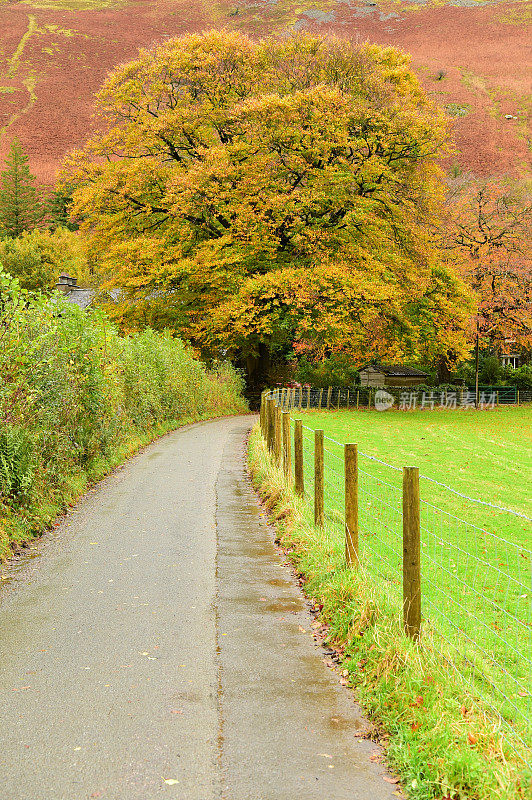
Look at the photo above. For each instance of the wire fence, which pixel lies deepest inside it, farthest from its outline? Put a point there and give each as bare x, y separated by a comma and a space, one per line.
336, 398
476, 586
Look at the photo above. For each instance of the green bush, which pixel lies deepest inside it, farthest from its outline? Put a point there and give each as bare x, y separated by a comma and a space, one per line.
76, 397
336, 370
491, 371
16, 463
520, 377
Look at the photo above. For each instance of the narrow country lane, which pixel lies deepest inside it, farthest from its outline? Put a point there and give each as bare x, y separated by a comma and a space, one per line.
155, 645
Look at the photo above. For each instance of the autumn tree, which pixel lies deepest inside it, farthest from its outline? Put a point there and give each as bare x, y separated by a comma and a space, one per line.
272, 194
21, 207
488, 232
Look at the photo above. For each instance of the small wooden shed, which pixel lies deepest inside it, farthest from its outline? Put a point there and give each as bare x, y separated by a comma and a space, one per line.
382, 375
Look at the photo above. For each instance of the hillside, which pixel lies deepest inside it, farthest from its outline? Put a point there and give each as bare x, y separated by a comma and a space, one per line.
472, 57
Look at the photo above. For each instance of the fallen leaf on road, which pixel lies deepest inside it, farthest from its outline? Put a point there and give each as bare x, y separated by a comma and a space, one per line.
301, 628
390, 780
324, 755
170, 781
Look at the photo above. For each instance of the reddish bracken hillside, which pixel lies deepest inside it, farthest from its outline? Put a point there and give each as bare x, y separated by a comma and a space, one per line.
473, 59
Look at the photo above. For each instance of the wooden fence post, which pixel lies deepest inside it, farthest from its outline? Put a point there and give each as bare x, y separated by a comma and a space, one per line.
319, 515
300, 398
347, 402
273, 412
358, 394
411, 553
351, 504
321, 395
264, 414
287, 446
270, 422
518, 397
278, 438
299, 481
329, 390
308, 398
261, 413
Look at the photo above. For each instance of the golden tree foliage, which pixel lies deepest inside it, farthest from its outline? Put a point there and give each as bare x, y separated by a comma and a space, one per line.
261, 195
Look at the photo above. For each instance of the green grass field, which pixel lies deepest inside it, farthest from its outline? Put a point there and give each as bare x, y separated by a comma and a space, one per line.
476, 579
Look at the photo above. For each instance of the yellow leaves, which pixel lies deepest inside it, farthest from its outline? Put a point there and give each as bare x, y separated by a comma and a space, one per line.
273, 191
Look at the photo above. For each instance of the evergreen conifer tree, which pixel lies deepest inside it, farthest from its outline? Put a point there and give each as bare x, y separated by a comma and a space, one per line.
21, 207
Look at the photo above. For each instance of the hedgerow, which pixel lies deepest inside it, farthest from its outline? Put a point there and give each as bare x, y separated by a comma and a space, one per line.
76, 398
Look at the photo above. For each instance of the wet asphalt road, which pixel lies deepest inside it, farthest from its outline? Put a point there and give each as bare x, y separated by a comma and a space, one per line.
156, 646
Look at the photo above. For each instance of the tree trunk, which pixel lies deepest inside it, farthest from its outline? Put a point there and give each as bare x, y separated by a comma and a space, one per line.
444, 367
257, 368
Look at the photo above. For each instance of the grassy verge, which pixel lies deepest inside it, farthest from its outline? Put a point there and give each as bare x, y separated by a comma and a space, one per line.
439, 739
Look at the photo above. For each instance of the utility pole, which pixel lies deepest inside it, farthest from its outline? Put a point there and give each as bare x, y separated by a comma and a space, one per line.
476, 368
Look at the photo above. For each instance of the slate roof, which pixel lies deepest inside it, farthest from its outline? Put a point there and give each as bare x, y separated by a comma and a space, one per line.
397, 370
80, 297
84, 297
